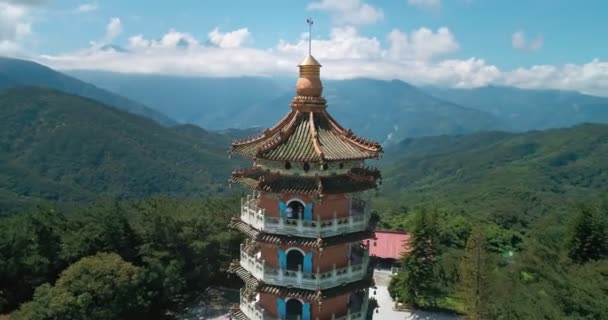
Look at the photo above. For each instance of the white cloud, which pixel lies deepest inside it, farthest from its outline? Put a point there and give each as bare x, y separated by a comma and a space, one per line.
171, 40
343, 43
113, 29
412, 56
590, 77
519, 41
433, 6
15, 26
421, 44
24, 3
233, 39
87, 7
349, 12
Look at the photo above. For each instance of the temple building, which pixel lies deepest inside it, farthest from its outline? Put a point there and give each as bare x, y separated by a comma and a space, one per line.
388, 248
305, 221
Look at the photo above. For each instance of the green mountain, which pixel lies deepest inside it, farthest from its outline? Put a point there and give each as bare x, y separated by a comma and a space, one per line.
510, 178
526, 110
56, 146
18, 73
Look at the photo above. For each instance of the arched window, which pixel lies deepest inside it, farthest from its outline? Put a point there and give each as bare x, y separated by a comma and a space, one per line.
295, 209
294, 309
306, 166
295, 260
341, 165
287, 165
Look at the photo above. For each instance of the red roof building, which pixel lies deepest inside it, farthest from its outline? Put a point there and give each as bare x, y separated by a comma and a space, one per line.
389, 244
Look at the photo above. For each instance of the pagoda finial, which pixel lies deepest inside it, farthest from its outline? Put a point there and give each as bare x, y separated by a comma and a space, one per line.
309, 83
310, 23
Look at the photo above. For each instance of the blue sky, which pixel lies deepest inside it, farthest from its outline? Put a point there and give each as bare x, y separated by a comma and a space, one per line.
461, 43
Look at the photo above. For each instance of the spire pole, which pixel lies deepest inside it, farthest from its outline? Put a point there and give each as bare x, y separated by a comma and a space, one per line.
310, 22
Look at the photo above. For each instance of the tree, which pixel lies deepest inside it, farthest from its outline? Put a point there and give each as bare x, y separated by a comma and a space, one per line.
474, 276
29, 254
99, 287
589, 239
419, 280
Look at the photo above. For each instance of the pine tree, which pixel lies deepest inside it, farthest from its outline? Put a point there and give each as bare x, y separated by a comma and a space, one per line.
474, 276
420, 285
589, 240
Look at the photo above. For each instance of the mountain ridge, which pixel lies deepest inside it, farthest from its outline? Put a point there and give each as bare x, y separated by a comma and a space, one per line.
25, 73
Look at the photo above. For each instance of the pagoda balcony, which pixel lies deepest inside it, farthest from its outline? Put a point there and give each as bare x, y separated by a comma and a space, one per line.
256, 217
254, 311
304, 280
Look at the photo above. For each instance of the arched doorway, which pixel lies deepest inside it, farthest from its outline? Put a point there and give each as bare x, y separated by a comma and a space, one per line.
294, 309
295, 259
295, 209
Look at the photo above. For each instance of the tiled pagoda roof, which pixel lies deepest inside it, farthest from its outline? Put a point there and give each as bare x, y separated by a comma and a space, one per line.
311, 295
299, 241
355, 180
308, 135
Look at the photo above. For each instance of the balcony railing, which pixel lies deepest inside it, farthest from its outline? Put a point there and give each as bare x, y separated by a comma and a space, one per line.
256, 217
255, 312
252, 310
305, 280
359, 314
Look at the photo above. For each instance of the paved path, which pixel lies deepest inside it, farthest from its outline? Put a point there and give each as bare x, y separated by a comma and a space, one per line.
385, 310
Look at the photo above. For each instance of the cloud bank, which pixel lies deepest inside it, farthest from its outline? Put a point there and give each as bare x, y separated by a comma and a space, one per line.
420, 56
417, 56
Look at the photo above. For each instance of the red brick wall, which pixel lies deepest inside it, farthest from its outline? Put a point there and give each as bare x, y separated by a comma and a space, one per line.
269, 303
336, 305
324, 260
330, 256
339, 203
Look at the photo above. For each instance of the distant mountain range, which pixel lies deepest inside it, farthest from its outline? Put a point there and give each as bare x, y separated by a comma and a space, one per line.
526, 110
212, 103
60, 147
387, 111
384, 110
17, 73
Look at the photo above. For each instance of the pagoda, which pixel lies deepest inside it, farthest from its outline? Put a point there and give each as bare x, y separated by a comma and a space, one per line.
305, 256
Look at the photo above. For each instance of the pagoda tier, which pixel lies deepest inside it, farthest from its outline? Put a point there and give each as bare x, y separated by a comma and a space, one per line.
352, 180
255, 286
316, 243
308, 135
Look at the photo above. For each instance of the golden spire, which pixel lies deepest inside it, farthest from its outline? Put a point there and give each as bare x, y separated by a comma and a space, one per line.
309, 83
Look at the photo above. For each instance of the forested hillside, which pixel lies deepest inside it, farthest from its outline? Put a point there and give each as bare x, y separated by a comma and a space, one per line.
60, 147
512, 177
504, 226
19, 73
